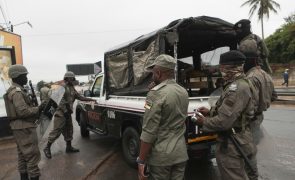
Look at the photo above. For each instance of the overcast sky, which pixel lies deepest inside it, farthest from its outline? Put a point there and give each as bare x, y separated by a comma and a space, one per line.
80, 31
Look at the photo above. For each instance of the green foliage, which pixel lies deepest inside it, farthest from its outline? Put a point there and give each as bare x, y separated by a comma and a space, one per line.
263, 7
281, 44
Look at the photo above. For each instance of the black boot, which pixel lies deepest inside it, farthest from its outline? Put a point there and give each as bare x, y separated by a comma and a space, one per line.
24, 176
70, 148
34, 178
47, 150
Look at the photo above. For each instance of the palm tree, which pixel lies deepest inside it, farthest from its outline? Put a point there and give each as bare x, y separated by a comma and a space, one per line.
263, 8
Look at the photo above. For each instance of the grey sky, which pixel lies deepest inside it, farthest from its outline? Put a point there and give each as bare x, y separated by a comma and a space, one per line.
80, 31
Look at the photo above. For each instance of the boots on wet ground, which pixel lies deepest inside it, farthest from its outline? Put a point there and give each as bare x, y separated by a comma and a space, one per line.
34, 178
24, 176
70, 148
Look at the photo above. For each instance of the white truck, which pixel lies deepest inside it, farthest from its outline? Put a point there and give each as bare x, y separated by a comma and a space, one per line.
121, 90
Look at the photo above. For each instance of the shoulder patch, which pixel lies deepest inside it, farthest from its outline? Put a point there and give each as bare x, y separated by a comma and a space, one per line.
159, 86
233, 87
18, 89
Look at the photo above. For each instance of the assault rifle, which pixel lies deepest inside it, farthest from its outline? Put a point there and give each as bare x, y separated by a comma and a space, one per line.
240, 150
33, 95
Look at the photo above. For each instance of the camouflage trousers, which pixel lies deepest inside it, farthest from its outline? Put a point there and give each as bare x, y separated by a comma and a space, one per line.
232, 166
174, 172
255, 128
28, 151
61, 126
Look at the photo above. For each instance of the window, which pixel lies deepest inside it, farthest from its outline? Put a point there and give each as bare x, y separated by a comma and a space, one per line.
97, 87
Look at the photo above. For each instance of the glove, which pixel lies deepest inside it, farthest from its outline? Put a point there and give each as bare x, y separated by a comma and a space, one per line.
42, 106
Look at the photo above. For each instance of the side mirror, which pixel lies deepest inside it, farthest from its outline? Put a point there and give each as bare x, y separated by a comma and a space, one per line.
87, 93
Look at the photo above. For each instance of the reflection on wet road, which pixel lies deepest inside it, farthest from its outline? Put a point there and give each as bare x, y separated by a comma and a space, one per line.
276, 153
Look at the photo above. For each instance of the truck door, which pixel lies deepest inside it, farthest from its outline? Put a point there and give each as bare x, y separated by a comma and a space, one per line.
94, 113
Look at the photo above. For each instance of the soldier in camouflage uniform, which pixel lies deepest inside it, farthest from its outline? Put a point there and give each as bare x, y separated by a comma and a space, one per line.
247, 41
263, 95
23, 114
231, 117
44, 92
263, 87
163, 146
63, 116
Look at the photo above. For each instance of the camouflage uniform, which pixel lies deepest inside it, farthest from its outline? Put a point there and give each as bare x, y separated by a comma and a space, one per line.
249, 42
233, 110
164, 128
24, 130
231, 117
44, 93
263, 85
246, 44
63, 125
263, 89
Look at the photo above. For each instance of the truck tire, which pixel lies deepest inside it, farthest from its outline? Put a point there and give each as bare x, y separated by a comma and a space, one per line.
83, 126
131, 146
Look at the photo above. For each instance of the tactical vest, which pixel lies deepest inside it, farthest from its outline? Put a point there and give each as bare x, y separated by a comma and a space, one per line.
10, 109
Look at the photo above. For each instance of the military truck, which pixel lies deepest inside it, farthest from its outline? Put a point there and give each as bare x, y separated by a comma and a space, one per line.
121, 89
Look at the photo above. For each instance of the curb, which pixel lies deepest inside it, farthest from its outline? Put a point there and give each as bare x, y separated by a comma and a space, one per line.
284, 102
99, 164
6, 139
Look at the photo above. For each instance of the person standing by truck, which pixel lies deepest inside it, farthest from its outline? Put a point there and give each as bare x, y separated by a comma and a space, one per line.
163, 147
23, 115
231, 118
63, 116
247, 41
264, 88
45, 92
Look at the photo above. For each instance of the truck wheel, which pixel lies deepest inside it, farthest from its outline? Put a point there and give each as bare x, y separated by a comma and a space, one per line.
83, 126
130, 145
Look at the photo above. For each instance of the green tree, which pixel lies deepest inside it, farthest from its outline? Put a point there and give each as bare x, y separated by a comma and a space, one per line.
263, 8
281, 44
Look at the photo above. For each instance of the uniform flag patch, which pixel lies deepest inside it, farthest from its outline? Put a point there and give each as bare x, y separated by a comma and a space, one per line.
148, 105
233, 87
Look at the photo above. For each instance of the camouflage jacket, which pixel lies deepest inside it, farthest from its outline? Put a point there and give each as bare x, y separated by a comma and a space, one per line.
264, 88
24, 113
68, 99
234, 109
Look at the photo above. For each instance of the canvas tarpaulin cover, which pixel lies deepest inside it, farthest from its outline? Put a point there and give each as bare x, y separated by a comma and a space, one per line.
143, 59
126, 64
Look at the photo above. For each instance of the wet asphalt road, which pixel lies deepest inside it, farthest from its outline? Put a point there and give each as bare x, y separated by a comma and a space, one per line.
276, 153
97, 160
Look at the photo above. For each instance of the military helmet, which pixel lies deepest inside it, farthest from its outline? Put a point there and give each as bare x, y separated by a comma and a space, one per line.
69, 74
243, 24
16, 70
233, 57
